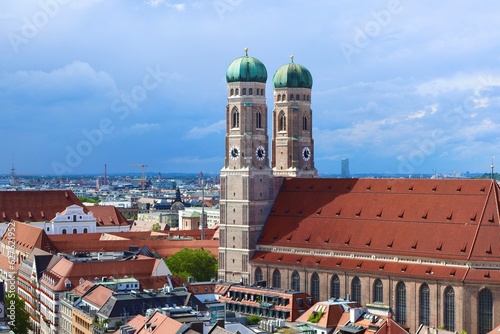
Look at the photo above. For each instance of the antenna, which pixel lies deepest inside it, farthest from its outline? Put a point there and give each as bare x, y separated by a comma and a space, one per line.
492, 168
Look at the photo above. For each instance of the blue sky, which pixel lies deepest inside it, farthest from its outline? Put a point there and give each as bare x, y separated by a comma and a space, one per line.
399, 86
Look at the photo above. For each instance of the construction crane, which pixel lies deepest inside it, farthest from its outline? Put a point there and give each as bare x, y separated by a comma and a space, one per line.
143, 167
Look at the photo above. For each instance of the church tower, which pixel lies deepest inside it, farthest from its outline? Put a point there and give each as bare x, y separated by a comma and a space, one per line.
246, 179
293, 145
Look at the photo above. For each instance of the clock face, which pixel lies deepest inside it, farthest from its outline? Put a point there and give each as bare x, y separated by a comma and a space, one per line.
234, 152
306, 153
260, 153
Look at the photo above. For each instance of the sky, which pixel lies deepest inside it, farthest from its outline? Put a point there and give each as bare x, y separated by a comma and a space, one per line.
406, 87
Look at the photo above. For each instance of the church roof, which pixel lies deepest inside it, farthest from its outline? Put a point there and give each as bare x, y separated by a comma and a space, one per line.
35, 206
108, 215
405, 218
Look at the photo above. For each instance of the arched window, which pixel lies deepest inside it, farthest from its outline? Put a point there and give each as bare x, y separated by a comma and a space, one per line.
297, 97
258, 275
279, 97
304, 97
236, 91
75, 231
243, 91
85, 230
64, 231
315, 286
283, 97
236, 118
378, 291
335, 287
232, 92
295, 281
250, 91
304, 123
282, 121
307, 97
449, 309
356, 290
401, 303
258, 120
425, 305
484, 312
291, 97
276, 279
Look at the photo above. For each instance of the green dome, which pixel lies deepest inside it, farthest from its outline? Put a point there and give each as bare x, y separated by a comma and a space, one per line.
247, 69
292, 76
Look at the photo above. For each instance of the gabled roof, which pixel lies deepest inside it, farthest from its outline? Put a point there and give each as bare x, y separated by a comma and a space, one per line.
108, 215
425, 218
332, 312
159, 323
35, 206
98, 296
28, 237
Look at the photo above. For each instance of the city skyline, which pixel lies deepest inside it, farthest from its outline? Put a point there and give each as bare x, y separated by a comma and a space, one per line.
399, 88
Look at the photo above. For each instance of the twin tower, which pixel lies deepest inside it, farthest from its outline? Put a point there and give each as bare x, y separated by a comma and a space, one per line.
248, 182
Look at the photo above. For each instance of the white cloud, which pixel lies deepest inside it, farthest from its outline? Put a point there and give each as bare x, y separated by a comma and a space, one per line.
141, 128
180, 7
201, 132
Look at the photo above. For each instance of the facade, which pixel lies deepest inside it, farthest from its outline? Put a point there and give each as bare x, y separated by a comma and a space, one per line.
426, 248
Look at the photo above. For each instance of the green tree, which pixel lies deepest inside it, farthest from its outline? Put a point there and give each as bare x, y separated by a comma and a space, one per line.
156, 227
19, 319
197, 263
84, 199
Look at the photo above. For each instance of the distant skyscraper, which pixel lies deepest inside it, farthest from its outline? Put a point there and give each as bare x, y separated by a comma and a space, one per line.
344, 168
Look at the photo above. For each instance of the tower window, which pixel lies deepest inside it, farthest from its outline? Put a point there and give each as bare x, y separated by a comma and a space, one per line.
304, 123
279, 97
297, 97
291, 97
304, 97
235, 118
232, 92
250, 91
258, 120
283, 97
282, 121
237, 92
243, 91
307, 97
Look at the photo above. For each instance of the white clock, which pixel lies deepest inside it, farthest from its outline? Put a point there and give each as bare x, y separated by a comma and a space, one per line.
234, 152
306, 153
260, 153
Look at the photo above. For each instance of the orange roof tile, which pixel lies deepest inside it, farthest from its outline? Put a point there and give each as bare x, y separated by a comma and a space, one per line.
35, 205
27, 237
387, 217
98, 296
108, 215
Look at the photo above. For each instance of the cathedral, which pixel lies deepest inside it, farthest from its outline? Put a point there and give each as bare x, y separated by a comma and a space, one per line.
427, 248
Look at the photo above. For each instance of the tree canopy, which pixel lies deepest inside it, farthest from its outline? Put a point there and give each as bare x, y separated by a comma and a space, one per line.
197, 263
18, 318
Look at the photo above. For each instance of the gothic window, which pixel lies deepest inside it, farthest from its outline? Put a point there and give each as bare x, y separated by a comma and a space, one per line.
485, 312
304, 123
282, 121
283, 97
258, 275
279, 97
307, 97
449, 309
356, 289
243, 91
295, 281
258, 120
401, 303
291, 97
237, 92
304, 97
378, 291
315, 286
235, 118
232, 92
335, 287
277, 279
250, 91
297, 97
425, 305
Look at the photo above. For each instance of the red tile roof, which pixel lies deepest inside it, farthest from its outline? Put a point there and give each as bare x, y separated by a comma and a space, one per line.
405, 218
27, 237
98, 296
35, 206
107, 215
